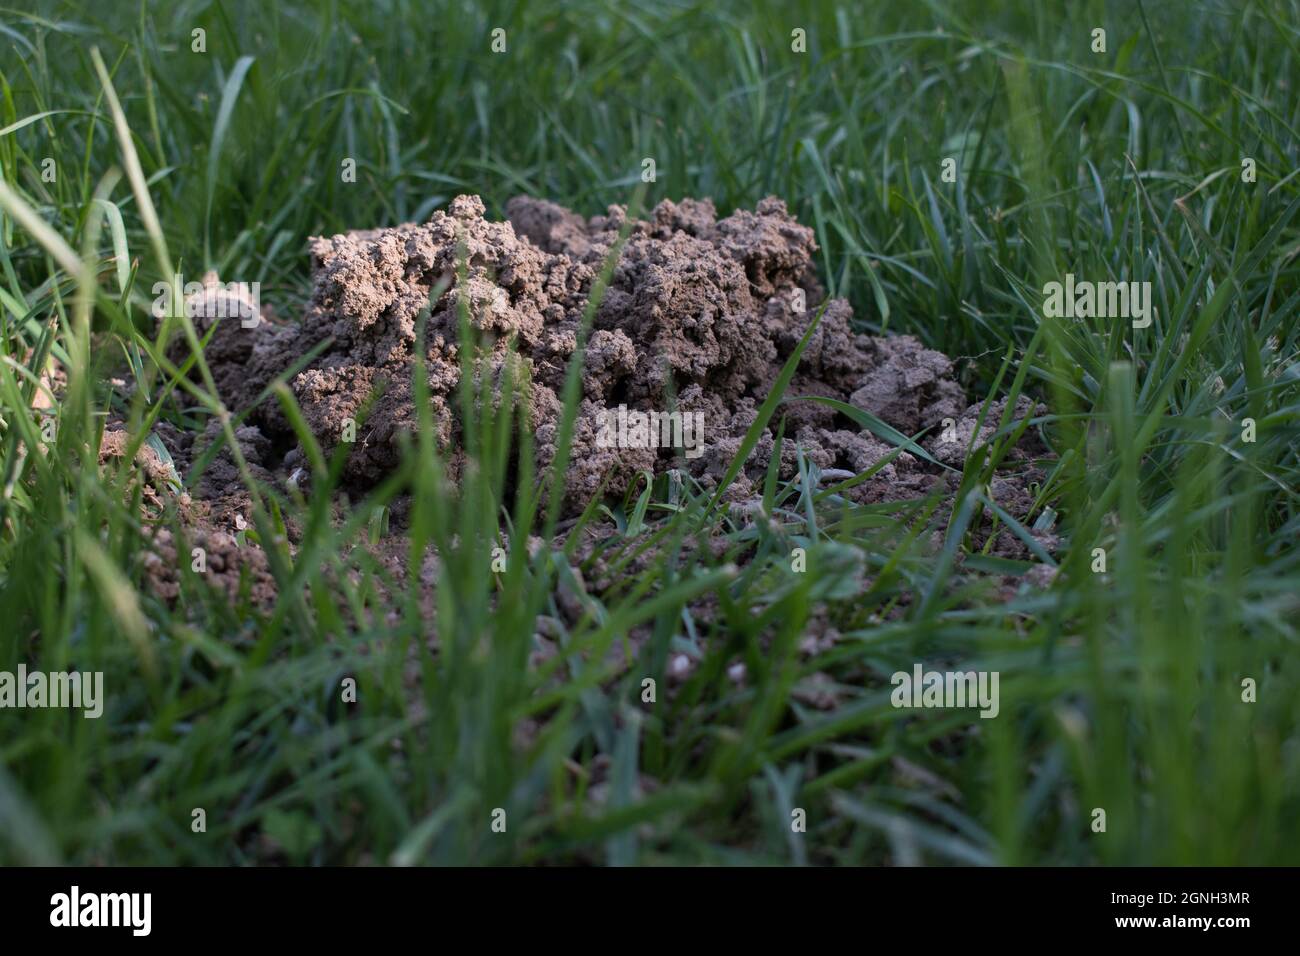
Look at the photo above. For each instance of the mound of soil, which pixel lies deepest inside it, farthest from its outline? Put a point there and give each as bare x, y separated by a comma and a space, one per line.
699, 317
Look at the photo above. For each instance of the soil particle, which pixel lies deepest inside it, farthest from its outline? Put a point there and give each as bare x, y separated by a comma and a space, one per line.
236, 571
221, 507
221, 478
113, 446
217, 316
950, 445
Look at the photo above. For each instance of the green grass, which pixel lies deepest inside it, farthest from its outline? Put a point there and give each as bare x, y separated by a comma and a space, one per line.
1120, 691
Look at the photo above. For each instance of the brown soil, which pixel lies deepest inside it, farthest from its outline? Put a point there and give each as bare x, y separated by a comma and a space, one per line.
700, 308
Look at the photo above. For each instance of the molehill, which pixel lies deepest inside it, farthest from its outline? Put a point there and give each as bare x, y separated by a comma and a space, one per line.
699, 316
702, 309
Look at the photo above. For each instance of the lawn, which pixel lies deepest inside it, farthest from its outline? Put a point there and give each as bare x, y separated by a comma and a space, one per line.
954, 158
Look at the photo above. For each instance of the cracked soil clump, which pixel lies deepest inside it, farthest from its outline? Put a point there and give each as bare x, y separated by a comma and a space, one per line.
704, 309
